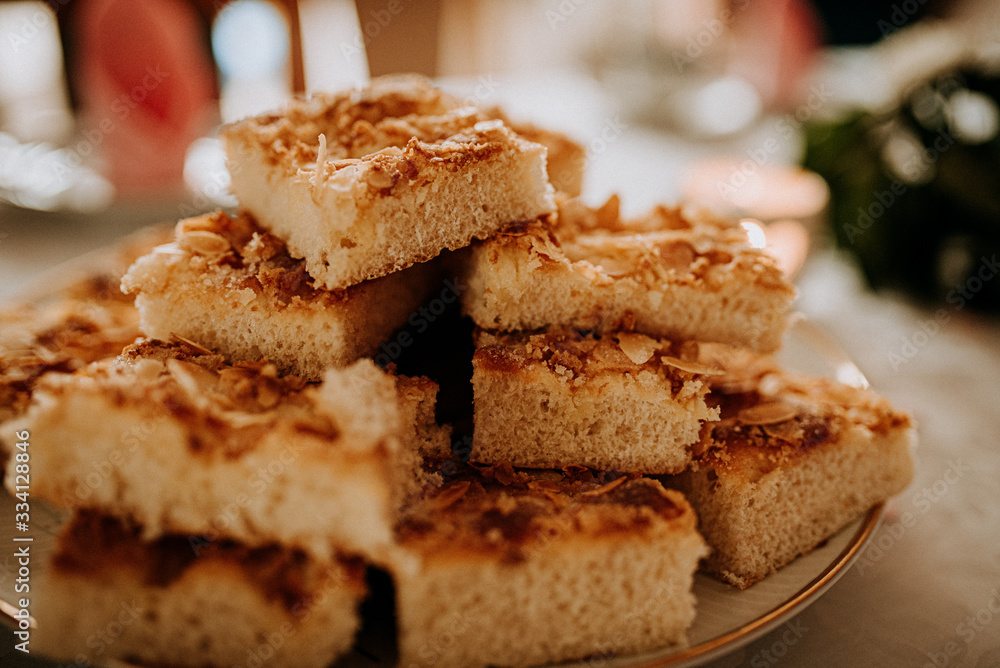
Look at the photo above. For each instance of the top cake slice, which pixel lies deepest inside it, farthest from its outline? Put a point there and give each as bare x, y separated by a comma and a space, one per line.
669, 274
366, 182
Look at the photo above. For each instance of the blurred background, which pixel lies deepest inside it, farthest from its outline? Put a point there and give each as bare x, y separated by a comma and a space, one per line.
870, 125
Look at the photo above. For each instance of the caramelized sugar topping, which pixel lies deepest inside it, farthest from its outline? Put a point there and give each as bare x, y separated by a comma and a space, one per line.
515, 513
574, 355
769, 416
94, 544
258, 260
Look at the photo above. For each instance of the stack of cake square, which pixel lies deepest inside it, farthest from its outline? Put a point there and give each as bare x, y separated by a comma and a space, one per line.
344, 200
220, 503
232, 475
643, 346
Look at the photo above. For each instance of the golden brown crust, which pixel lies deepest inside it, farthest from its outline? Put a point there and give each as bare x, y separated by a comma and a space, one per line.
402, 112
389, 131
667, 245
91, 320
573, 354
226, 407
672, 273
500, 511
365, 183
252, 258
770, 417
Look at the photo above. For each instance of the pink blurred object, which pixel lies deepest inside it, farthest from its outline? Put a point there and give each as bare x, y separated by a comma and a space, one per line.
147, 89
773, 47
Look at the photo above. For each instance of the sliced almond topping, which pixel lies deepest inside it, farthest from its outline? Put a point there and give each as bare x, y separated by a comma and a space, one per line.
677, 255
451, 494
786, 431
772, 412
195, 380
690, 366
380, 179
543, 486
196, 224
146, 369
637, 347
320, 162
346, 162
203, 242
604, 489
197, 346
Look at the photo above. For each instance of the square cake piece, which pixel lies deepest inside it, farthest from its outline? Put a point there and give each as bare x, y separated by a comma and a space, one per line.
88, 321
792, 460
231, 287
108, 594
367, 182
174, 439
520, 568
620, 402
669, 274
76, 316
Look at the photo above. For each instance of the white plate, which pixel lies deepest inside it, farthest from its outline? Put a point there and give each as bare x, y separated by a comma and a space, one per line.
727, 618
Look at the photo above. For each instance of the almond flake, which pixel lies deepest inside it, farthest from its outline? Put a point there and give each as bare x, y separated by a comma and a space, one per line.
197, 346
637, 347
380, 179
690, 366
193, 379
450, 495
203, 242
769, 413
604, 489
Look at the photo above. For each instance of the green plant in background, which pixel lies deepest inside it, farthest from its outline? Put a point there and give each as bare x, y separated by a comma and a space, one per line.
915, 191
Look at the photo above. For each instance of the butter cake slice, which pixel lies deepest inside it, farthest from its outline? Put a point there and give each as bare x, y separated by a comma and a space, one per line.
87, 321
669, 274
621, 402
792, 460
367, 182
518, 569
231, 287
174, 439
76, 316
108, 594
